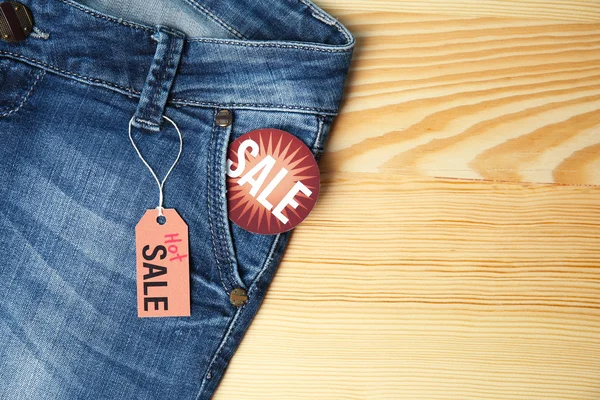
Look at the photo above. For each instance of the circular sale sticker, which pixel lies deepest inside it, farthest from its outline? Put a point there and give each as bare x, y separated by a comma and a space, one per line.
272, 181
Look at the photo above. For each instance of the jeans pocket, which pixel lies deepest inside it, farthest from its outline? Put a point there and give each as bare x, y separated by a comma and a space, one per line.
241, 254
17, 82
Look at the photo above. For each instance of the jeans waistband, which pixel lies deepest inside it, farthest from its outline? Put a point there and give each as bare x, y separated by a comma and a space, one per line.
281, 54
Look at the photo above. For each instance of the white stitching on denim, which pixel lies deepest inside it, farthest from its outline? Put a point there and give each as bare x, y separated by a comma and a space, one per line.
62, 71
347, 47
317, 144
210, 206
212, 16
256, 105
316, 11
324, 18
175, 101
38, 34
307, 47
106, 17
163, 77
224, 226
38, 78
146, 122
266, 265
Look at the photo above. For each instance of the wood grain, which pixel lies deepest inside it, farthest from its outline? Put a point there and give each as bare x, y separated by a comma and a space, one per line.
583, 10
421, 288
455, 250
481, 98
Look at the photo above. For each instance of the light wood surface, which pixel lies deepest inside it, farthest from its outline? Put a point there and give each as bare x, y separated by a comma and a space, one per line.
455, 250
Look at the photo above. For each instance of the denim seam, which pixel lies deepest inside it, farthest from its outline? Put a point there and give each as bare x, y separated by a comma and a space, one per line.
106, 17
317, 14
237, 315
216, 19
224, 340
307, 47
37, 79
225, 244
267, 263
256, 105
157, 81
220, 237
72, 74
129, 91
210, 204
326, 19
227, 235
283, 45
149, 124
322, 18
163, 77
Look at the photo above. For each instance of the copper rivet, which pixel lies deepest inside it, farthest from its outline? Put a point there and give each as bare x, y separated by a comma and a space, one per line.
16, 8
238, 297
6, 36
224, 118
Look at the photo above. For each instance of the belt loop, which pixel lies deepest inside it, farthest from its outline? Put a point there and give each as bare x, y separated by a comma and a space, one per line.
150, 109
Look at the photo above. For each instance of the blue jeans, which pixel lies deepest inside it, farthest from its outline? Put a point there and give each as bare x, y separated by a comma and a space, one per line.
72, 187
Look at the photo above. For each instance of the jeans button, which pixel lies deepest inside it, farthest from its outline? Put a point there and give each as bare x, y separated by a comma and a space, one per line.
16, 22
224, 118
238, 297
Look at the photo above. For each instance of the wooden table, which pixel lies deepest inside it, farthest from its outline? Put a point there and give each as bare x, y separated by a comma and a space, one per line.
455, 250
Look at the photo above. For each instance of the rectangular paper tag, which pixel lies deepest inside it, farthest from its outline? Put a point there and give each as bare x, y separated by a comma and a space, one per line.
162, 264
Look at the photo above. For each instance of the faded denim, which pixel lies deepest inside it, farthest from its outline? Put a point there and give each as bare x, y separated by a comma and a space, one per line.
72, 187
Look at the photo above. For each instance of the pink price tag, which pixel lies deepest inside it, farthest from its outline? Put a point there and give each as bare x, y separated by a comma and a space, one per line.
273, 181
162, 265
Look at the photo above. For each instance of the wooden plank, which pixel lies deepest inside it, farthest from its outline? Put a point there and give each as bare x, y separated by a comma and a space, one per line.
585, 11
474, 98
422, 288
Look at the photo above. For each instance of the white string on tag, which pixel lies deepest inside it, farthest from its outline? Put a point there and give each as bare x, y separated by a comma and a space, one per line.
159, 183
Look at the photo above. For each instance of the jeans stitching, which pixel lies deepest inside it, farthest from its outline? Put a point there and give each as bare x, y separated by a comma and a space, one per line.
146, 122
129, 91
106, 17
216, 19
257, 105
267, 264
223, 221
326, 19
306, 47
161, 83
226, 336
210, 203
68, 73
37, 79
237, 315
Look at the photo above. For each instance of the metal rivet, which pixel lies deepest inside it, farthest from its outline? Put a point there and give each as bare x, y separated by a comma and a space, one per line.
224, 118
238, 297
16, 21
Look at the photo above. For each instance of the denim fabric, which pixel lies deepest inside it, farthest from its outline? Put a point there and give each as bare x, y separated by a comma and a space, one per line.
72, 187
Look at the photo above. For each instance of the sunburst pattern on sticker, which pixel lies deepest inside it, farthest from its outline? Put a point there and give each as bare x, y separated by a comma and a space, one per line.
277, 184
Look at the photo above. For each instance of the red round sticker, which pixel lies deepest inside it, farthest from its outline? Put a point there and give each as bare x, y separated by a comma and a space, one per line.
272, 181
